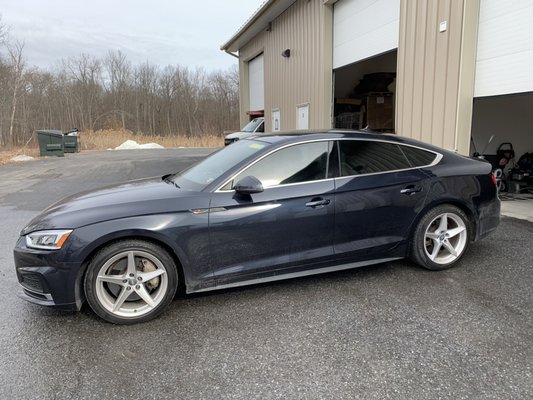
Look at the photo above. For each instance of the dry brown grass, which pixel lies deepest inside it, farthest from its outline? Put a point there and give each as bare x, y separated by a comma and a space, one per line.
106, 139
109, 139
7, 155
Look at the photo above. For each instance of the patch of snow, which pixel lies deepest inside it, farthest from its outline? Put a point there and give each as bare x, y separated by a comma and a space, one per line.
128, 145
22, 158
151, 146
133, 145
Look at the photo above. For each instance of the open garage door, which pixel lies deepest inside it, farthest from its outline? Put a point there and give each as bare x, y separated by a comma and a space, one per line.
508, 121
364, 28
504, 91
505, 48
364, 94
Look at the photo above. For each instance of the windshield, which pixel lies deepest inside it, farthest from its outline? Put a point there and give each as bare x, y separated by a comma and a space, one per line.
252, 125
206, 171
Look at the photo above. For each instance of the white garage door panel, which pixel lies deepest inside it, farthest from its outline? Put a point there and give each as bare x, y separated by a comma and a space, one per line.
364, 28
505, 48
256, 76
499, 76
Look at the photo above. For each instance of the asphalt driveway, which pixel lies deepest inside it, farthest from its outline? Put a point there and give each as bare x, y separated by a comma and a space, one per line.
388, 331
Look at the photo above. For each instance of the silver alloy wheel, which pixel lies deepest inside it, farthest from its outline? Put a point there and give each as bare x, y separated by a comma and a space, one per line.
125, 289
445, 238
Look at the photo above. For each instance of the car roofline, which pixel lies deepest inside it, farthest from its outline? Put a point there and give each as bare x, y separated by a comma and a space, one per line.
287, 135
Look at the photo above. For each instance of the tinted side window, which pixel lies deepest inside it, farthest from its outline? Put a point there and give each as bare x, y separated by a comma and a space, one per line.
418, 157
366, 157
295, 164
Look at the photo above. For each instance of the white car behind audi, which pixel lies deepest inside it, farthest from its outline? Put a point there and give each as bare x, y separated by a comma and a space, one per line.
255, 126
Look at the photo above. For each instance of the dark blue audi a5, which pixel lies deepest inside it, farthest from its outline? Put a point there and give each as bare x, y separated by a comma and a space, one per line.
262, 209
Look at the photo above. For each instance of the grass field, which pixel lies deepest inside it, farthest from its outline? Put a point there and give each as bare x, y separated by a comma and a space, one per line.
105, 139
109, 139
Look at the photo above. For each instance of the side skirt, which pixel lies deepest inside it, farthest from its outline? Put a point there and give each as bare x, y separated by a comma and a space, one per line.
299, 274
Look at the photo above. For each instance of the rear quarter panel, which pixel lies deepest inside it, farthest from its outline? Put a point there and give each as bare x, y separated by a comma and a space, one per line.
467, 184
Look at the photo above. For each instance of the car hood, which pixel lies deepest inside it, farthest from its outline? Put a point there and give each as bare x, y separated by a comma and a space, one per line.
129, 199
240, 135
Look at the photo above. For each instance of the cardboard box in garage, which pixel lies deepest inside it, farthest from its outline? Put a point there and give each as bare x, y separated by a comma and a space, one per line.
380, 111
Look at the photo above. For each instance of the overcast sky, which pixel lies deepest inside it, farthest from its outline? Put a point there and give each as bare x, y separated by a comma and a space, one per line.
164, 32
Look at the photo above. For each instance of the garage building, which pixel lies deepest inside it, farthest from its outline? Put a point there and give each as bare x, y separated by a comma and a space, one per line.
453, 73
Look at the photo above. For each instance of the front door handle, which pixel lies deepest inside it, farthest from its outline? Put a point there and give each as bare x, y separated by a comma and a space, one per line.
411, 189
318, 202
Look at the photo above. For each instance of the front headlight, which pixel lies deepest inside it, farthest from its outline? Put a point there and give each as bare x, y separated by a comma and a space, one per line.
47, 240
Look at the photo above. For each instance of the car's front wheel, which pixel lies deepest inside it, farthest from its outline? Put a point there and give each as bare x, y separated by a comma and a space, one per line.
130, 281
440, 238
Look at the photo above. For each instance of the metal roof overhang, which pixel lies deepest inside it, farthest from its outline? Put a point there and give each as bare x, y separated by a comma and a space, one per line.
259, 21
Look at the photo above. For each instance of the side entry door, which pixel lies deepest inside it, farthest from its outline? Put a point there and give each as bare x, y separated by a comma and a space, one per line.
290, 223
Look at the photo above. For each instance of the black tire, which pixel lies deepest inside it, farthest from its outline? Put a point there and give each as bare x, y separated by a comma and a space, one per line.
431, 245
130, 281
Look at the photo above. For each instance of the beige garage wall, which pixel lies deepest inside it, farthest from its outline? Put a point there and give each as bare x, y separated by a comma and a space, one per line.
304, 77
436, 71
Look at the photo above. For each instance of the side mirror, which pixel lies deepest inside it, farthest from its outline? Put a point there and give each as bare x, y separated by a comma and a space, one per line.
249, 185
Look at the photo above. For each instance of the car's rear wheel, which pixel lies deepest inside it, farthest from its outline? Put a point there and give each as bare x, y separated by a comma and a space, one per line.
130, 281
441, 238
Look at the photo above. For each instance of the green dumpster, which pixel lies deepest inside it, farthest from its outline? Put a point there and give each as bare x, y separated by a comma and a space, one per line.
71, 141
51, 143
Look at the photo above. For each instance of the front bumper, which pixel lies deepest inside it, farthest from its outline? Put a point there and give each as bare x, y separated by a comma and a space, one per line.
46, 278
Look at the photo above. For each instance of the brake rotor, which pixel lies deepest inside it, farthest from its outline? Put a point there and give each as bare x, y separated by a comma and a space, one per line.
148, 266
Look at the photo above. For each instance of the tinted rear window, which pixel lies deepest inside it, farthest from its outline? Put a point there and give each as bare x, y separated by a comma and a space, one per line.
359, 157
418, 157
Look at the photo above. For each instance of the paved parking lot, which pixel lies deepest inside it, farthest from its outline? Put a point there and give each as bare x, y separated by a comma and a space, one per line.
388, 331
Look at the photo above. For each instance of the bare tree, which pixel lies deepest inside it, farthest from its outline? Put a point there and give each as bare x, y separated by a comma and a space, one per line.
84, 76
16, 82
90, 93
3, 31
118, 75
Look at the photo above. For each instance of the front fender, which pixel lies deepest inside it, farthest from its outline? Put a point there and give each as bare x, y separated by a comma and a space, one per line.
185, 233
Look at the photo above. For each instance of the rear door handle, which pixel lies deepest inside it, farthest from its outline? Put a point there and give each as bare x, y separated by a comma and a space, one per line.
318, 203
411, 189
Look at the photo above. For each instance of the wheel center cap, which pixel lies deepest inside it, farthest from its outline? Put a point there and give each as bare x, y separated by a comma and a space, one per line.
132, 282
442, 237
